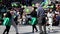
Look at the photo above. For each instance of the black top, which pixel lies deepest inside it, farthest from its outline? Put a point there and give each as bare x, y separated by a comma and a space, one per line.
33, 14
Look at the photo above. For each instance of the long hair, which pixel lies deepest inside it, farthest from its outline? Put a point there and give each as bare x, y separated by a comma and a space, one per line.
8, 15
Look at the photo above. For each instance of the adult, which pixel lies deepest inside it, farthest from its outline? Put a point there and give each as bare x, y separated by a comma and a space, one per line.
13, 22
50, 16
41, 19
34, 19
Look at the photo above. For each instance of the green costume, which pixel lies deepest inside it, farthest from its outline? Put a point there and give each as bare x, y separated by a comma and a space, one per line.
6, 21
33, 21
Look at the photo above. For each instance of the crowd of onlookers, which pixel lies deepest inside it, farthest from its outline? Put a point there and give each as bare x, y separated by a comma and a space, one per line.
55, 13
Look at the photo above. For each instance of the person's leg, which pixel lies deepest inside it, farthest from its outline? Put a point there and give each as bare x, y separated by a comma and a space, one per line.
44, 26
40, 28
35, 28
50, 28
5, 30
40, 25
32, 28
8, 28
15, 26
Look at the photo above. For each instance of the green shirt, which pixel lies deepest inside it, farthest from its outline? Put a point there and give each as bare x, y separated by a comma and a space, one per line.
6, 21
33, 21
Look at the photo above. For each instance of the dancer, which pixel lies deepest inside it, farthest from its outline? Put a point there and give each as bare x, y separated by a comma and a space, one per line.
6, 22
34, 19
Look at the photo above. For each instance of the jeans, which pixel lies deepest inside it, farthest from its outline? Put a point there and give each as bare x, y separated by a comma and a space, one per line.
41, 22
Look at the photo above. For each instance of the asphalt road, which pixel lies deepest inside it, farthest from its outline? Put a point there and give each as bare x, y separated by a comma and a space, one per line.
28, 30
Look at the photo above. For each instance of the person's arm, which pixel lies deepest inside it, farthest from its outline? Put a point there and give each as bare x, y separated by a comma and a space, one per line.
5, 21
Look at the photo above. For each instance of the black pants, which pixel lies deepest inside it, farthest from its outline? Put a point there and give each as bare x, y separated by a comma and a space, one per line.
7, 30
34, 26
15, 19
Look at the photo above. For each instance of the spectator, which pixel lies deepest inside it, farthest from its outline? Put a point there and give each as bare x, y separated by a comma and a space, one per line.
7, 23
50, 16
57, 17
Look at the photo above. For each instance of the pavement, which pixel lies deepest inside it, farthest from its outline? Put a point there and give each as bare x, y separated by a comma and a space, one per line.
27, 29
